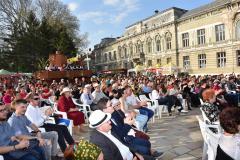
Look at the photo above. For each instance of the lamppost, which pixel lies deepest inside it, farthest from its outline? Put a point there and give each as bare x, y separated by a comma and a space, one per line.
87, 59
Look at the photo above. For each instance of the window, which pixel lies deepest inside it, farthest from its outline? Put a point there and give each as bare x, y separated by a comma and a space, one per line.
221, 59
149, 63
238, 57
169, 60
106, 57
110, 56
131, 50
125, 52
120, 52
238, 30
169, 43
114, 55
220, 32
159, 62
149, 45
201, 36
202, 60
186, 62
158, 44
185, 39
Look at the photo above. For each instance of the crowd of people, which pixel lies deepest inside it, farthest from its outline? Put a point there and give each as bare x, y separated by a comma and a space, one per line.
119, 118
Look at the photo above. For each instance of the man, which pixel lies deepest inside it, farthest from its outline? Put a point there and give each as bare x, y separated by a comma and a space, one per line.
34, 114
86, 97
19, 122
97, 93
121, 126
133, 103
11, 146
101, 136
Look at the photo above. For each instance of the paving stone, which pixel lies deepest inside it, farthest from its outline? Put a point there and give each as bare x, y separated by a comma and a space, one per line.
185, 157
196, 153
180, 150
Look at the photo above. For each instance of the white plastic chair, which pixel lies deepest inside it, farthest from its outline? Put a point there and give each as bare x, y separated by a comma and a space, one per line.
84, 108
64, 114
210, 139
143, 97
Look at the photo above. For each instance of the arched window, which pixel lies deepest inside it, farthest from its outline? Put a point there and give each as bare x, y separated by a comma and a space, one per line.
131, 49
158, 43
238, 30
149, 45
168, 41
120, 52
125, 51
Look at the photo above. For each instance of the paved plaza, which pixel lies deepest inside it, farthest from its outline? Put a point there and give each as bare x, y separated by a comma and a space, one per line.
178, 136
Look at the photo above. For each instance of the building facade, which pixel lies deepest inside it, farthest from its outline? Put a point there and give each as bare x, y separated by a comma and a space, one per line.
205, 40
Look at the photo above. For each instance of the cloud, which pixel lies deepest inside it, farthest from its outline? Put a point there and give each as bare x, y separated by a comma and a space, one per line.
124, 9
111, 2
97, 17
72, 6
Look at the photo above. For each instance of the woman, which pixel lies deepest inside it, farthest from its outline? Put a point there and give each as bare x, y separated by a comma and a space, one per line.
209, 108
229, 143
65, 104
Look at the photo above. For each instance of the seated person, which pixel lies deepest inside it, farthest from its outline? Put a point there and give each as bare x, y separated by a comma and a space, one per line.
122, 128
34, 114
20, 124
229, 148
209, 108
104, 139
15, 147
65, 104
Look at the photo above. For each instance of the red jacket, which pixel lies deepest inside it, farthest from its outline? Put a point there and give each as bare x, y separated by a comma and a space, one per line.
64, 104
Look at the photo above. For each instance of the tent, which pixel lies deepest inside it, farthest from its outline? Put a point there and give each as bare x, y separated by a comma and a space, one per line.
4, 72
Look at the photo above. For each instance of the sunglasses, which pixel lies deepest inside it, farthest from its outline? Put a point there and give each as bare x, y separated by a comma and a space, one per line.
36, 99
3, 110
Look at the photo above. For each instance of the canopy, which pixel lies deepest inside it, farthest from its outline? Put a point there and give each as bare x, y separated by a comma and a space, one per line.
5, 72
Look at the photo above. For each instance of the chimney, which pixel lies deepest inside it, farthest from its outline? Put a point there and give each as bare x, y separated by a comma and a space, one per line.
156, 11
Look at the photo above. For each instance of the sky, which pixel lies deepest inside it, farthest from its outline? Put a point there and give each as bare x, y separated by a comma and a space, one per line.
108, 18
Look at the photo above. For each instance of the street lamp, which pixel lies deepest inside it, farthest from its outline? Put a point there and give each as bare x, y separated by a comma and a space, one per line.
87, 59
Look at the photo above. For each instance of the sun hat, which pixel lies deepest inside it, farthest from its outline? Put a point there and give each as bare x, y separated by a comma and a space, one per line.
97, 118
66, 89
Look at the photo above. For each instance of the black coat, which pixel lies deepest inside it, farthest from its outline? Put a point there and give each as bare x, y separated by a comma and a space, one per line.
109, 149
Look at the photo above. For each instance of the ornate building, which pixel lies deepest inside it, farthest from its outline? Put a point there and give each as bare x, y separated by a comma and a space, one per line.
205, 40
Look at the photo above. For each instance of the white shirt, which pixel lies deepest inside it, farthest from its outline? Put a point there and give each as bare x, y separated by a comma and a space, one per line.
97, 96
231, 145
35, 115
124, 150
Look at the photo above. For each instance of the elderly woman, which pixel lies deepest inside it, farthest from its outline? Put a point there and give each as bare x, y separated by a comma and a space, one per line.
65, 104
209, 108
228, 147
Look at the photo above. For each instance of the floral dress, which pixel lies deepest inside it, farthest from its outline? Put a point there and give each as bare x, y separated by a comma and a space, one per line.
211, 111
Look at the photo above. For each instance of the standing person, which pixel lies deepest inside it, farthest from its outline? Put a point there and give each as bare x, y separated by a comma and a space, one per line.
11, 145
65, 104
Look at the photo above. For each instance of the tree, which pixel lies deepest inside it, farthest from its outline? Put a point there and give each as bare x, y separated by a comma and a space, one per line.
33, 29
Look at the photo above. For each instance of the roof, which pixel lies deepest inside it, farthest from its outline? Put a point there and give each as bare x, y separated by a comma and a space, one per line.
161, 12
205, 8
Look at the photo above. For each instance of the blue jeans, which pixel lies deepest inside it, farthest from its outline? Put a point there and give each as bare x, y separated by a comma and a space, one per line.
139, 145
148, 112
141, 120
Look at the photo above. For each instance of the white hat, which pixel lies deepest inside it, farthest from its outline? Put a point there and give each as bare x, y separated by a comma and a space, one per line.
66, 89
97, 118
87, 86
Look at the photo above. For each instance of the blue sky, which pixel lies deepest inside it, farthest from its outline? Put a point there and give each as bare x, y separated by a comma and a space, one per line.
108, 18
